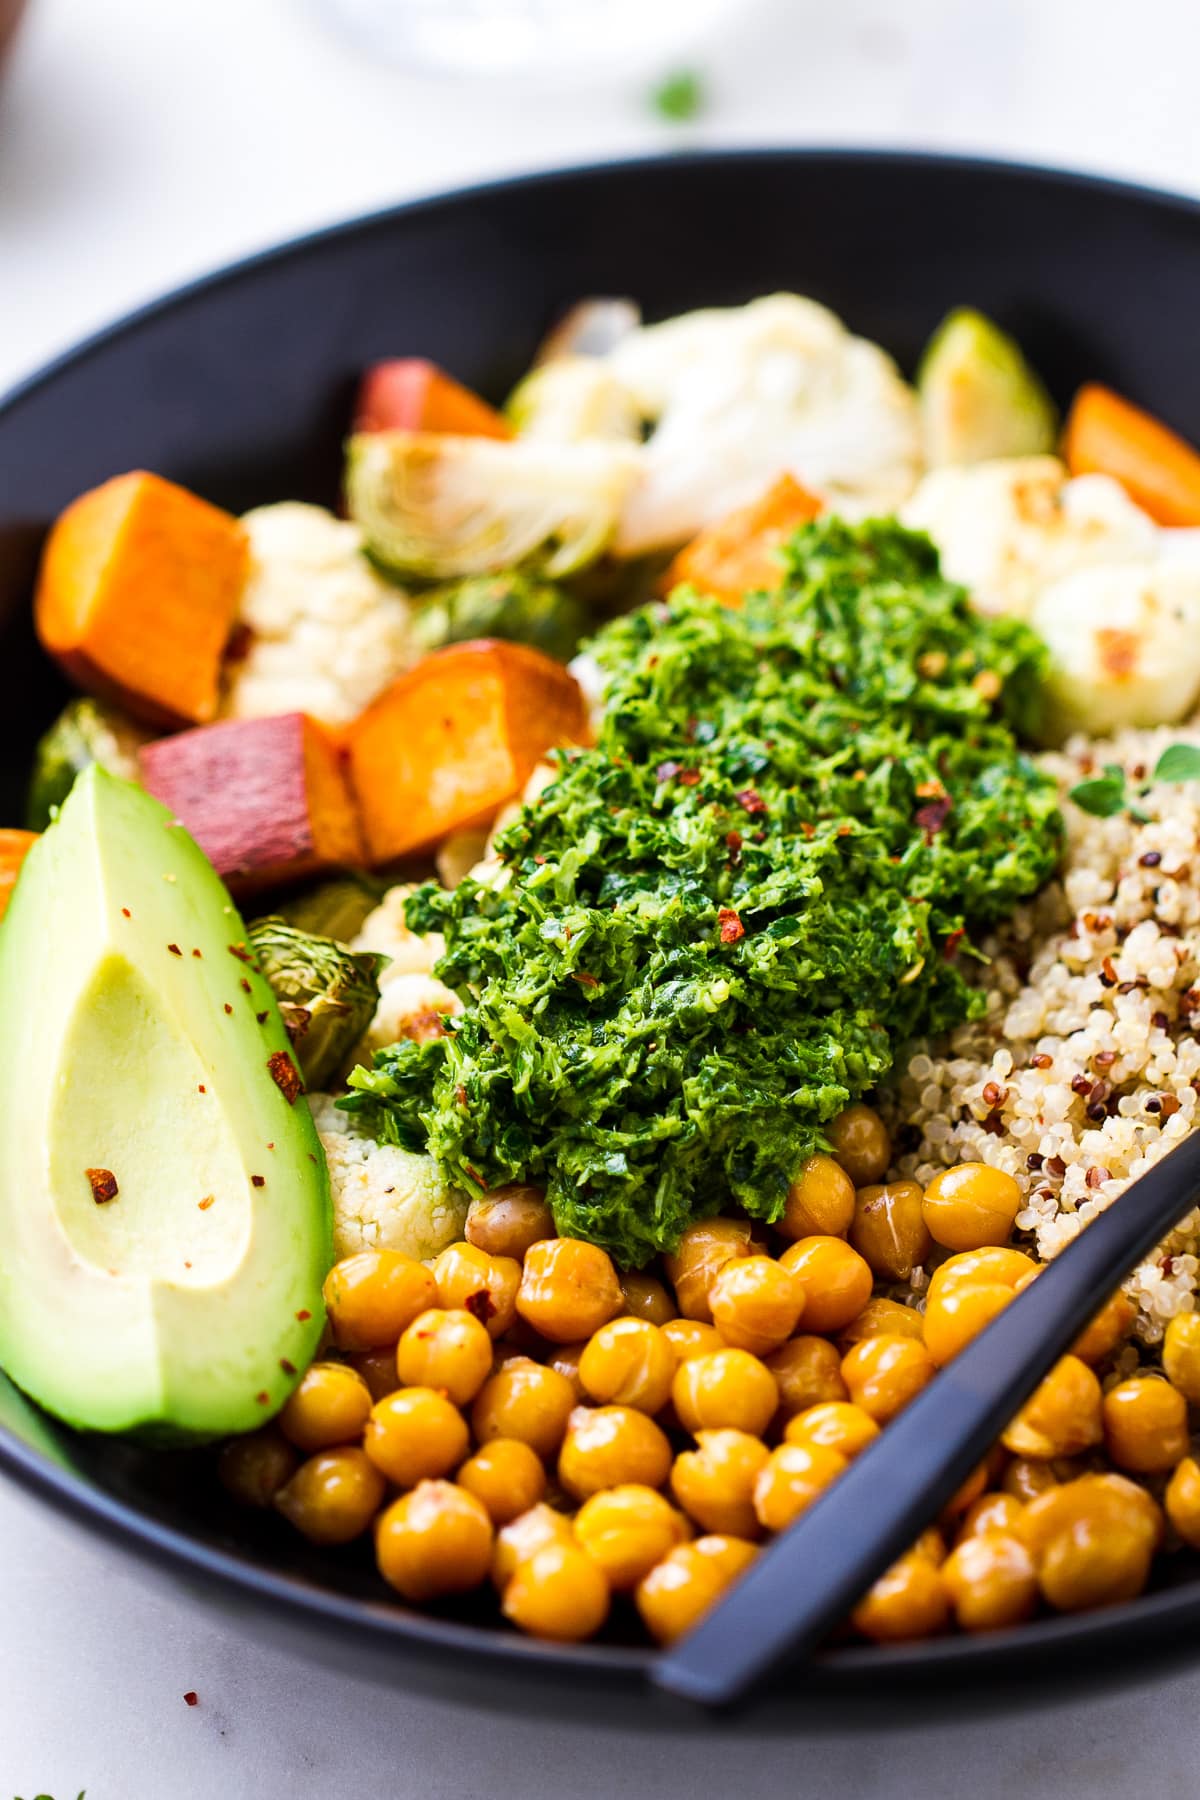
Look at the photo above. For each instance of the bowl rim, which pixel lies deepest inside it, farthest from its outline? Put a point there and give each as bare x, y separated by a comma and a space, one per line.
393, 1625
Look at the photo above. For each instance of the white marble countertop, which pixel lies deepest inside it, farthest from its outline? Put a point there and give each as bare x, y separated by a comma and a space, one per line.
141, 143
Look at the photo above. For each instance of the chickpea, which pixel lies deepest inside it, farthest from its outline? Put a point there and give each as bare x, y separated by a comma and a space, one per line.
1091, 1540
626, 1530
1061, 1416
566, 1358
756, 1303
470, 1280
507, 1220
990, 1580
415, 1434
1110, 1327
1025, 1480
835, 1279
436, 1540
1182, 1501
568, 1289
371, 1296
820, 1201
252, 1469
966, 1494
507, 1476
970, 1206
931, 1545
725, 1388
835, 1425
908, 1601
1145, 1425
527, 1401
889, 1229
522, 1536
792, 1477
704, 1249
611, 1446
450, 1351
689, 1337
808, 1372
629, 1361
966, 1293
680, 1589
329, 1406
378, 1370
861, 1144
882, 1318
558, 1593
644, 1297
1181, 1355
883, 1374
991, 1512
714, 1483
332, 1497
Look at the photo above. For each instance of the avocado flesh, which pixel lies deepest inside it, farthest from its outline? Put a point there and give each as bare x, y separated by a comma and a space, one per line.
150, 1311
978, 396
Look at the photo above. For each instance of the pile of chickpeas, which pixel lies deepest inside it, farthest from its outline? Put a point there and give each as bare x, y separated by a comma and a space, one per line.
522, 1414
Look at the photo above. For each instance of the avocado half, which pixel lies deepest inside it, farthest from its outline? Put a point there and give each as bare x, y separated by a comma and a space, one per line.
164, 1203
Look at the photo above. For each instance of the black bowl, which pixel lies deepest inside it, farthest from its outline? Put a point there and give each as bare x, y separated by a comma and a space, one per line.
240, 387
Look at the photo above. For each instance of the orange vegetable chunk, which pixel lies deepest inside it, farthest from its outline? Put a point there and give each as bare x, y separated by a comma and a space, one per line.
736, 555
410, 394
1107, 435
265, 799
14, 848
456, 737
137, 593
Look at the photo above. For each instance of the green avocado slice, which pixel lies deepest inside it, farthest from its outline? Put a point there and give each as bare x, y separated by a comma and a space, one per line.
164, 1204
978, 396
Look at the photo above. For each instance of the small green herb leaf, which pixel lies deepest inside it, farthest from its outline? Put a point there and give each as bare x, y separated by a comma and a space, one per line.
1178, 762
1103, 795
679, 97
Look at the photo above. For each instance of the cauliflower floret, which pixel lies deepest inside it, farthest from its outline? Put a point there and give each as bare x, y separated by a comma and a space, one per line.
412, 1006
1124, 642
385, 932
326, 633
384, 1198
742, 394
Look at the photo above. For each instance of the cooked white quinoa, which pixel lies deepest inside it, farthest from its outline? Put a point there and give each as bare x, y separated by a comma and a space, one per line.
1082, 1074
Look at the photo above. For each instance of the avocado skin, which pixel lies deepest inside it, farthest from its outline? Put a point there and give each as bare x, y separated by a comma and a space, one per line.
141, 1039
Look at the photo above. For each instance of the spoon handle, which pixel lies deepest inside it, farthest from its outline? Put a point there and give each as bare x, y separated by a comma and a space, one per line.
811, 1576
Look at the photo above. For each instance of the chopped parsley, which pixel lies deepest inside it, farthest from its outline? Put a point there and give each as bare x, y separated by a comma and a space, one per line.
1105, 795
680, 97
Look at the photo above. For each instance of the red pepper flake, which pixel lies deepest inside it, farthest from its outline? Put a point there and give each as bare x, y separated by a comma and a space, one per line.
733, 841
751, 801
731, 926
476, 1177
261, 1018
244, 985
262, 1398
174, 949
932, 818
103, 1184
228, 1008
289, 1368
125, 913
270, 1146
1040, 1060
200, 1088
584, 979
480, 1305
258, 1181
953, 939
845, 830
304, 1315
285, 1075
240, 951
689, 777
930, 790
460, 1095
207, 1201
191, 1698
198, 953
539, 859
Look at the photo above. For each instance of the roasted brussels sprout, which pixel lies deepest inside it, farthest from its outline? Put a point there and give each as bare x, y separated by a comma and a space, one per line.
327, 993
978, 396
513, 606
84, 732
334, 908
571, 400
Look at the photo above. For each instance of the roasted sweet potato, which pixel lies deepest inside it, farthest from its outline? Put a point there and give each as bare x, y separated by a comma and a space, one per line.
137, 592
454, 739
736, 555
266, 799
410, 394
14, 848
1107, 435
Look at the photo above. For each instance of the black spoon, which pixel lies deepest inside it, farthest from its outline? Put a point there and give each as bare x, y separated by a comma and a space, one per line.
811, 1576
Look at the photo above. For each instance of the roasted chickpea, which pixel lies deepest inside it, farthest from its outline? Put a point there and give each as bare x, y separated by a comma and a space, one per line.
568, 1289
378, 1370
436, 1540
558, 1593
861, 1144
1109, 1499
1091, 1540
966, 1293
1181, 1355
626, 1530
965, 1495
882, 1318
704, 1249
470, 1280
970, 1206
506, 1221
528, 1532
714, 1483
329, 1406
931, 1545
836, 1281
883, 1374
689, 1337
836, 1425
820, 1201
680, 1589
414, 1434
611, 1446
756, 1303
1110, 1327
629, 1361
371, 1296
1182, 1501
991, 1512
908, 1601
332, 1497
990, 1581
1025, 1480
1061, 1416
1145, 1425
644, 1297
808, 1372
527, 1401
507, 1476
791, 1479
566, 1358
447, 1350
889, 1229
725, 1388
252, 1469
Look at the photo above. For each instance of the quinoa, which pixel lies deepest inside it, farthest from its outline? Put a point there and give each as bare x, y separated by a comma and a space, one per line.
1085, 1069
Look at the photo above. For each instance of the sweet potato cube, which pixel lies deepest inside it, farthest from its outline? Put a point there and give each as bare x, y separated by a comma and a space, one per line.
14, 848
410, 394
736, 556
265, 799
137, 592
452, 740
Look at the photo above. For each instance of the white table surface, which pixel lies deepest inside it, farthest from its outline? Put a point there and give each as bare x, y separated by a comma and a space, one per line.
142, 141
